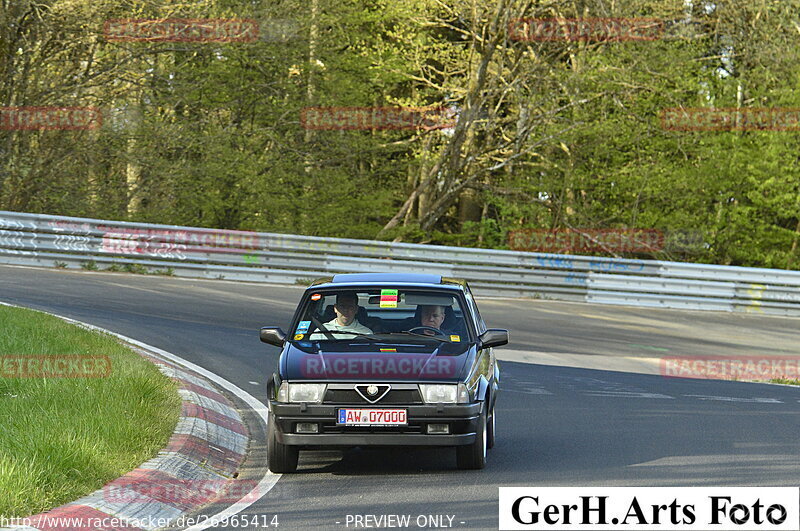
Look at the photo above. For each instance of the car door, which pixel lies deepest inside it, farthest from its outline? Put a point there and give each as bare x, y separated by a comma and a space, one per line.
485, 359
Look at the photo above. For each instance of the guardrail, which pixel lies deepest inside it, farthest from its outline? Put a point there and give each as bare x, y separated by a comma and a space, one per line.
68, 242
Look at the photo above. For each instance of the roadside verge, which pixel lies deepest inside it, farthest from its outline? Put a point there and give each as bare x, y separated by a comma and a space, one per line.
197, 467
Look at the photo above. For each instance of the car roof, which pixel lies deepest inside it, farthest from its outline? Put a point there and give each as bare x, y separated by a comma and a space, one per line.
417, 279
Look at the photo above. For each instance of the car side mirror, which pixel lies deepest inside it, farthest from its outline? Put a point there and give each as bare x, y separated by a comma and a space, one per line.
273, 336
493, 337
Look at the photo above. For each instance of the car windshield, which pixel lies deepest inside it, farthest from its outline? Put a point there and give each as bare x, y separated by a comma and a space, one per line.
382, 313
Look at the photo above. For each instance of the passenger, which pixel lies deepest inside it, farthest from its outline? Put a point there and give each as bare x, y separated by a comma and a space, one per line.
346, 308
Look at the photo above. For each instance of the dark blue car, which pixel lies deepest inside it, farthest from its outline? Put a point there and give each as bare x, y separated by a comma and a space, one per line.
384, 360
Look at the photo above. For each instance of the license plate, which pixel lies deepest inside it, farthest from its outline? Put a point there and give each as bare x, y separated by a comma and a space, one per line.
373, 417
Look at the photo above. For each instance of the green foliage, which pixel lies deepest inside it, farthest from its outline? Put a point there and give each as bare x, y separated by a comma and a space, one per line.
785, 381
91, 265
564, 134
138, 269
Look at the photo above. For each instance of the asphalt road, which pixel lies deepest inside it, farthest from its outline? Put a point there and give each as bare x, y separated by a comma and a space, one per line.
557, 426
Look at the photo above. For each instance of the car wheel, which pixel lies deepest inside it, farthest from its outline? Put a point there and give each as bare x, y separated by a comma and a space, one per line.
473, 456
281, 458
490, 429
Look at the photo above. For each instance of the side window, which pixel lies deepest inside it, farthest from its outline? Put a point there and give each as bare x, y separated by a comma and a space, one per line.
474, 308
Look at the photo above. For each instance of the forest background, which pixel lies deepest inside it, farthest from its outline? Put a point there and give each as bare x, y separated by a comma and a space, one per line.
548, 134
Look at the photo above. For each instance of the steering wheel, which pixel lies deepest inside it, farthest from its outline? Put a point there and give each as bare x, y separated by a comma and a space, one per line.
423, 328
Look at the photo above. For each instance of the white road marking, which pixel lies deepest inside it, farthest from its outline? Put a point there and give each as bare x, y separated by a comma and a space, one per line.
267, 481
524, 386
126, 286
736, 399
253, 383
604, 318
229, 293
628, 394
530, 391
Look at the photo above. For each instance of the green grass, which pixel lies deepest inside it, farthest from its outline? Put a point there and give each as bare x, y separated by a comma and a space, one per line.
91, 265
139, 269
788, 381
62, 438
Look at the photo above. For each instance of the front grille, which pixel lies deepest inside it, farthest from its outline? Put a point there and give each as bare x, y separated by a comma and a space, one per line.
334, 428
393, 397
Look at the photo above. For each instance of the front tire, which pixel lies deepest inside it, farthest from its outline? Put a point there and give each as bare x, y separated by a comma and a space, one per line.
281, 458
473, 456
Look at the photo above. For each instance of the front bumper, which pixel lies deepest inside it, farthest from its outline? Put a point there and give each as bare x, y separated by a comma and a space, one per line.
462, 420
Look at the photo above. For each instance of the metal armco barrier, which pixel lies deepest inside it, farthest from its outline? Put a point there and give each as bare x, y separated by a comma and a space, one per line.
59, 241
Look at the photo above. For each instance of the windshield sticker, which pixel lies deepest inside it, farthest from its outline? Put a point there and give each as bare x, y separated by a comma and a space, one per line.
298, 337
388, 350
316, 297
455, 339
388, 298
302, 327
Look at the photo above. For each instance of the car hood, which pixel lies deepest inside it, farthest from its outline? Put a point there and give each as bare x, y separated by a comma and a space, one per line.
345, 361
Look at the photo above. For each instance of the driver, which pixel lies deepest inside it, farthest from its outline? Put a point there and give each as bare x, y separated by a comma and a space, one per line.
346, 308
433, 316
